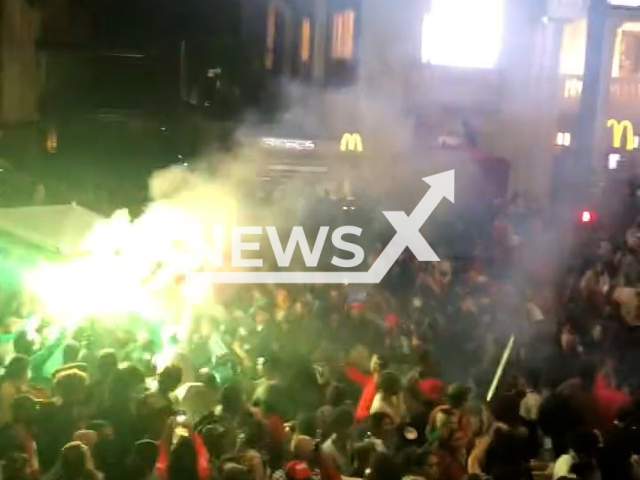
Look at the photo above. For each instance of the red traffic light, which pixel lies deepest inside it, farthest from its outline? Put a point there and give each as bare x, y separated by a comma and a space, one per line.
587, 216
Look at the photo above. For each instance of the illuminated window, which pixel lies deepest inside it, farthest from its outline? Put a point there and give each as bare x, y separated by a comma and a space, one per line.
626, 54
305, 40
572, 88
463, 33
343, 29
563, 139
574, 38
272, 15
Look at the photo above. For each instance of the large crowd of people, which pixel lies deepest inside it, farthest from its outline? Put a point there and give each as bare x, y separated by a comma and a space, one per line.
293, 382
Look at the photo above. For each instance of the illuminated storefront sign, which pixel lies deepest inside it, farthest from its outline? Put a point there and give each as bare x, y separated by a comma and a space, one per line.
624, 3
288, 144
351, 142
299, 168
622, 135
620, 128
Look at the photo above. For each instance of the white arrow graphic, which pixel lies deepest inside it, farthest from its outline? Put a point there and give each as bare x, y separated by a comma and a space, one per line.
408, 235
408, 228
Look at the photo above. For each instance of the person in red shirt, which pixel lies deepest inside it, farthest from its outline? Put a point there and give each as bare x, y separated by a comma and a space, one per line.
309, 463
368, 383
429, 385
178, 444
608, 398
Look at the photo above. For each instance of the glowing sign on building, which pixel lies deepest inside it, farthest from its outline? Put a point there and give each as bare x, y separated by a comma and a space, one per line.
622, 136
618, 130
351, 142
624, 3
288, 144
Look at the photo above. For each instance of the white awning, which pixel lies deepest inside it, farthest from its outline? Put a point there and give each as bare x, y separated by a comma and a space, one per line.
60, 228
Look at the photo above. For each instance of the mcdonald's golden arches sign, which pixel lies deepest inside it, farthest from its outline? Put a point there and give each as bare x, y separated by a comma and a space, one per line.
622, 134
351, 142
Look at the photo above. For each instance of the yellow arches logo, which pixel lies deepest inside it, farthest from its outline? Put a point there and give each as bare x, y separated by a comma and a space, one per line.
618, 130
351, 142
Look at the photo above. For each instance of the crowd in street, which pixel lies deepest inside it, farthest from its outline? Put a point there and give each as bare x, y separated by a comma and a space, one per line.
331, 381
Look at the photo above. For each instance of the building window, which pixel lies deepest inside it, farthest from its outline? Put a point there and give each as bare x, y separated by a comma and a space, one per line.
572, 88
343, 29
572, 51
613, 160
626, 54
563, 139
463, 33
305, 40
272, 16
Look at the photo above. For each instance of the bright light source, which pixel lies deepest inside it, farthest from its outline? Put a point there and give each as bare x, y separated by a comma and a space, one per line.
586, 216
563, 139
612, 161
289, 144
625, 3
463, 33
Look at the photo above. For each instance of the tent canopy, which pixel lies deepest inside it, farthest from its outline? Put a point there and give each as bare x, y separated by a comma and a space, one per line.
60, 228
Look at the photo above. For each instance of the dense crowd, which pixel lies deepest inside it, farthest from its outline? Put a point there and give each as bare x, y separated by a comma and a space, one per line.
324, 382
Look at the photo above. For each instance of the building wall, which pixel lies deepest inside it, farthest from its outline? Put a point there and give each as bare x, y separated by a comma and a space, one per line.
64, 23
390, 45
513, 107
19, 80
534, 161
429, 102
527, 104
404, 108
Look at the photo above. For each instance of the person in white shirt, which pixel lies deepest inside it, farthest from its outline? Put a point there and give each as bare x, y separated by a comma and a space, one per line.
198, 398
580, 461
